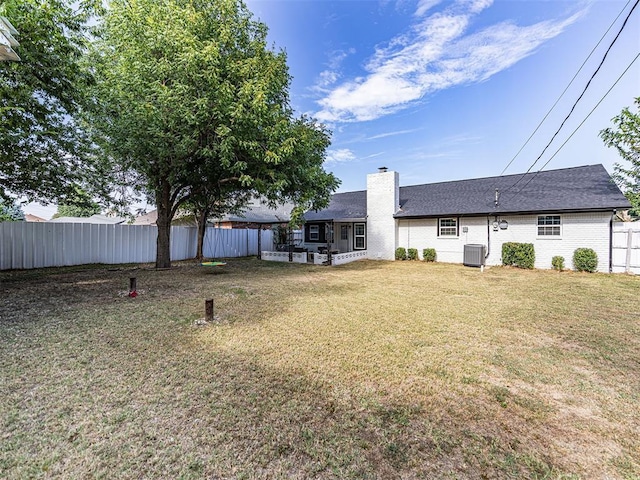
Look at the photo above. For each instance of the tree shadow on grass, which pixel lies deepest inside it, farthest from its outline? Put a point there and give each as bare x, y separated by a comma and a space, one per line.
158, 402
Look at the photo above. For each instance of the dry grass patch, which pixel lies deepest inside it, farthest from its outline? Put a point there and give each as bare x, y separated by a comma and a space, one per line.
369, 370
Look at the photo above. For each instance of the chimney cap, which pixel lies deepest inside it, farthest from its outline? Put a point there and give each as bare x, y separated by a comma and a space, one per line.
382, 169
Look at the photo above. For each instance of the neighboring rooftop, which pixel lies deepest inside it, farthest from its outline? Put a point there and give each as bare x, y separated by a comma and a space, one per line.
259, 212
100, 219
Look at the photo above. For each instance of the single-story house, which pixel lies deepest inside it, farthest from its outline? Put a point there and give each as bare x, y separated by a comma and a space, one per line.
556, 210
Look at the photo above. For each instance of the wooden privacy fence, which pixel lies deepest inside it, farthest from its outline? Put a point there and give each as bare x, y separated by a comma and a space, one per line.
25, 245
626, 248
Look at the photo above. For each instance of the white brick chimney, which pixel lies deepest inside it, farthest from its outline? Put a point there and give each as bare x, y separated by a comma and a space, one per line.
383, 201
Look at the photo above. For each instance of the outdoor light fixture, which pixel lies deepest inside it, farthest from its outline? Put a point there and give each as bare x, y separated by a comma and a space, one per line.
7, 41
504, 224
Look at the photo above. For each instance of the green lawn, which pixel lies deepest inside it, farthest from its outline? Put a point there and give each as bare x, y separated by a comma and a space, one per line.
368, 370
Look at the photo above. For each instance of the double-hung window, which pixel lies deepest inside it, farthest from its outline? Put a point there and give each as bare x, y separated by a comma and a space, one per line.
359, 236
549, 226
447, 227
314, 233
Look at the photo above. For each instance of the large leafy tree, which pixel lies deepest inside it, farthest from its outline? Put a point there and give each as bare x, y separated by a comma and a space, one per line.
10, 211
42, 152
192, 104
625, 138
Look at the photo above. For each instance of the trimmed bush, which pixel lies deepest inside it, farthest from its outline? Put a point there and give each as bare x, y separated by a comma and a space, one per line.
557, 263
585, 260
521, 255
429, 254
401, 253
412, 254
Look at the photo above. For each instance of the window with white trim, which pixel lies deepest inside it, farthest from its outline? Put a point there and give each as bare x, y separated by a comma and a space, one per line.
359, 236
549, 226
447, 227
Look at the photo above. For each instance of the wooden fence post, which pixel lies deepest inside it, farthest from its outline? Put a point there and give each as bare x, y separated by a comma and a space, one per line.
133, 291
208, 310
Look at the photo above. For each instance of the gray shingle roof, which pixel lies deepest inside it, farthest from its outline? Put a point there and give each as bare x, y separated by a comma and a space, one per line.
258, 212
587, 188
348, 205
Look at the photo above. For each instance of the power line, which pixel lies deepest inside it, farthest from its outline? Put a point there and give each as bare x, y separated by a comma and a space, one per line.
566, 88
579, 98
577, 128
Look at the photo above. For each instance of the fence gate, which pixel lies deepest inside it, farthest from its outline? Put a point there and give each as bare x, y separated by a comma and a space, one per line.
626, 249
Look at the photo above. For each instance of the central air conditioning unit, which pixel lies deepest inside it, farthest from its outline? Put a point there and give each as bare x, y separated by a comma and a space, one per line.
474, 255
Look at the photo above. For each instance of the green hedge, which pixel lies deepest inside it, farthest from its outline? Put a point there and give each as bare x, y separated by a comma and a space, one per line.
557, 263
429, 254
585, 260
401, 253
412, 254
520, 255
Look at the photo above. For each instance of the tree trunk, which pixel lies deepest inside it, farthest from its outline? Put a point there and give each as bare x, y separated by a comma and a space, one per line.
163, 243
202, 230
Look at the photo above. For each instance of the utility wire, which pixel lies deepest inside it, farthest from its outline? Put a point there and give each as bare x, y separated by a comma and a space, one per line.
566, 88
577, 128
579, 98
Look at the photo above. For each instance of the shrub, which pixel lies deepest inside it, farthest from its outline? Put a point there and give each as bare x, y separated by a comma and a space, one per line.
429, 254
412, 254
585, 260
401, 253
520, 255
557, 263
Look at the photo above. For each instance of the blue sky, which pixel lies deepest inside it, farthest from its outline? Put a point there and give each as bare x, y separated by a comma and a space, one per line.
447, 90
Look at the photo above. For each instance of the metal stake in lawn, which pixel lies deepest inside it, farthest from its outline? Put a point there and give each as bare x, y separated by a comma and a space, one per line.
208, 310
132, 287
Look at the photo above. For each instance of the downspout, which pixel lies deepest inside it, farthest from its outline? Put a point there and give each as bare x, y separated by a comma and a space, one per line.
611, 241
488, 239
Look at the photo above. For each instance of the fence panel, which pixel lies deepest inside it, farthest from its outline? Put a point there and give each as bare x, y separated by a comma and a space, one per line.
228, 243
25, 245
626, 248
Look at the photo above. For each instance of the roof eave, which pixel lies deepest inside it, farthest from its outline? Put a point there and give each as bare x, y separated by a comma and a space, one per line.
516, 212
337, 219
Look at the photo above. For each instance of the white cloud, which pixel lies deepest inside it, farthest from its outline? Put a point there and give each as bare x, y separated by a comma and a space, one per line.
434, 55
327, 78
424, 6
373, 155
332, 74
341, 155
392, 134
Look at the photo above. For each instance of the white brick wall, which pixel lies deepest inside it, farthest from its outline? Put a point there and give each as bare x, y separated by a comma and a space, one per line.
578, 230
383, 192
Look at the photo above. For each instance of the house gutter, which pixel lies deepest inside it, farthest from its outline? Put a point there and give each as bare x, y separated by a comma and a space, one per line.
613, 215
